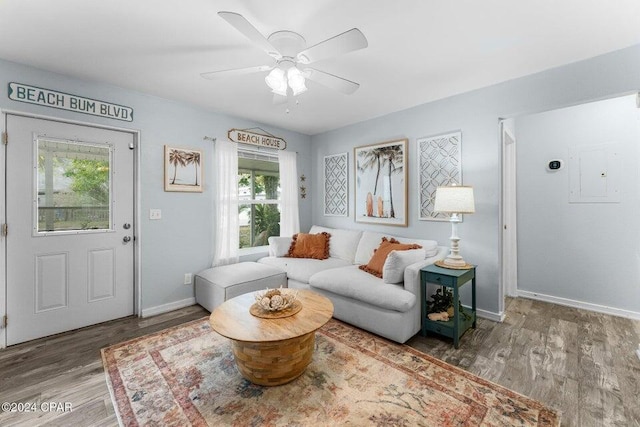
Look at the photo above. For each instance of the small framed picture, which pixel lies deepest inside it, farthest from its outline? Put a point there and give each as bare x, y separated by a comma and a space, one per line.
182, 169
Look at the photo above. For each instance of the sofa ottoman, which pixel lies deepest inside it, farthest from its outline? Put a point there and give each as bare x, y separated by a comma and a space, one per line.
217, 284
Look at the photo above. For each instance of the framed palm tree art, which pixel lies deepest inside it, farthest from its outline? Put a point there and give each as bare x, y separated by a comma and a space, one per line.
182, 169
381, 183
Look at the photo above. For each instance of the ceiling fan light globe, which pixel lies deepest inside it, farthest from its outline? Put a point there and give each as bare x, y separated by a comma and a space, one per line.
300, 90
296, 81
294, 73
297, 85
276, 80
281, 92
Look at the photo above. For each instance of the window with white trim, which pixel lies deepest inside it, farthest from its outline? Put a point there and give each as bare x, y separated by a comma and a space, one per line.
259, 197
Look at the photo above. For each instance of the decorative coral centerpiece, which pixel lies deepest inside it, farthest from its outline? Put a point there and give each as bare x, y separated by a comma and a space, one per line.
276, 299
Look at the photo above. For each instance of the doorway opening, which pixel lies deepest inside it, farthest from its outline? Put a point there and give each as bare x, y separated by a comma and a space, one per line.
568, 235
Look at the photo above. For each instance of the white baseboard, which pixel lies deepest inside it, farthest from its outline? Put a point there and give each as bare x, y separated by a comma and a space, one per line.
490, 315
580, 304
164, 308
496, 317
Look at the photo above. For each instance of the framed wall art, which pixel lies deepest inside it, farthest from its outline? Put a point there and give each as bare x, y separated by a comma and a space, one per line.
439, 164
182, 169
381, 183
336, 185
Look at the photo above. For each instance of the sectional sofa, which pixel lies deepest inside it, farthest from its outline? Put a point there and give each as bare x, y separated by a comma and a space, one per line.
388, 306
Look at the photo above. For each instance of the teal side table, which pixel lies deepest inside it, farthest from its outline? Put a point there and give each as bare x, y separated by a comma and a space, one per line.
454, 279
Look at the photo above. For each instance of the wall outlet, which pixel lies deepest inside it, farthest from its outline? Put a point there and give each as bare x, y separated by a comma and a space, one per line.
187, 278
155, 214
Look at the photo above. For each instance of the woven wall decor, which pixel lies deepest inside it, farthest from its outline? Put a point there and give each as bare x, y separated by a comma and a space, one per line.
439, 164
336, 185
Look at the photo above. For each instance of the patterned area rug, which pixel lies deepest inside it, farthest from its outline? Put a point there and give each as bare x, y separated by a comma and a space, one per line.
186, 375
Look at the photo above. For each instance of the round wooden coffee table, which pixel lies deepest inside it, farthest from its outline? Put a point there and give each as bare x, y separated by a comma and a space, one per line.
271, 351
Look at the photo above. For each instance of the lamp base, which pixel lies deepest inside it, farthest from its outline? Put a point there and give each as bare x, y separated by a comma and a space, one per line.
454, 260
443, 263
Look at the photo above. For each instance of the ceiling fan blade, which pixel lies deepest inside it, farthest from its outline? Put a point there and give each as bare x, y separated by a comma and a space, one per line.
342, 43
249, 31
329, 80
235, 72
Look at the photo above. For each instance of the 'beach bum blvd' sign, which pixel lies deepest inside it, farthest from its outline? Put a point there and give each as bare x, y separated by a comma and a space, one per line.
65, 101
246, 137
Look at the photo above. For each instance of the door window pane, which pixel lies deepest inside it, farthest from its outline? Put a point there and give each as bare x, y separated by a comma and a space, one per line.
73, 186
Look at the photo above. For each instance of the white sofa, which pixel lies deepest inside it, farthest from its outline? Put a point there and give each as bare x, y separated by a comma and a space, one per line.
391, 310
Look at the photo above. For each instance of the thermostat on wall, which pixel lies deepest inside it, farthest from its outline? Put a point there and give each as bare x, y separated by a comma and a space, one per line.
555, 164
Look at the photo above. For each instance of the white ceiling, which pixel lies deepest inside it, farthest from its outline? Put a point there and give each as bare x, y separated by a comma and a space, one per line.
419, 50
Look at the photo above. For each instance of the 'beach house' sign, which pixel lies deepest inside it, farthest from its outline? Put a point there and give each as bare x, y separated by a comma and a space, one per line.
246, 137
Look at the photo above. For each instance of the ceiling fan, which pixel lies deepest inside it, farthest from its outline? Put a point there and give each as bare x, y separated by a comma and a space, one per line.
292, 56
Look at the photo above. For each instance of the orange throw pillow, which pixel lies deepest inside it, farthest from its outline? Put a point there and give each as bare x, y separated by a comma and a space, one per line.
376, 263
305, 245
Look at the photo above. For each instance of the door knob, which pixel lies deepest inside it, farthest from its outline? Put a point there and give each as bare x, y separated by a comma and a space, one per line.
126, 239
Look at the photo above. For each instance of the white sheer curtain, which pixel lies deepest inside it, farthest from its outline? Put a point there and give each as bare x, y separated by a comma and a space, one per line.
289, 217
225, 202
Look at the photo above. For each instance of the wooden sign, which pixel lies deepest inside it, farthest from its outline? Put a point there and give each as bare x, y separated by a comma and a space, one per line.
65, 101
246, 137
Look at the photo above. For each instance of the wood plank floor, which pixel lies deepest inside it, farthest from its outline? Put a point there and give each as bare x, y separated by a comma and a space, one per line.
579, 362
576, 361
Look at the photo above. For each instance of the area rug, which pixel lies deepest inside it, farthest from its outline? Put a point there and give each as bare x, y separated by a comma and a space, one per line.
186, 375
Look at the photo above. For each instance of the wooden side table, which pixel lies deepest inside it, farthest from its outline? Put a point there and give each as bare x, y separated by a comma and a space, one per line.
454, 279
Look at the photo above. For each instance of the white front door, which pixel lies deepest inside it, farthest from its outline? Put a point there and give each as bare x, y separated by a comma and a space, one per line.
69, 214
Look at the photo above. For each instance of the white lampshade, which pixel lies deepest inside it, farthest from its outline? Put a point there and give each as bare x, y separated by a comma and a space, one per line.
277, 81
296, 81
454, 199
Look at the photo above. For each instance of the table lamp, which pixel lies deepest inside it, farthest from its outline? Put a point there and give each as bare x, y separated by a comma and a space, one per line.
454, 200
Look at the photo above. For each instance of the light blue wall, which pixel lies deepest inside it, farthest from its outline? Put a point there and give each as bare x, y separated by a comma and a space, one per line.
585, 252
181, 242
476, 114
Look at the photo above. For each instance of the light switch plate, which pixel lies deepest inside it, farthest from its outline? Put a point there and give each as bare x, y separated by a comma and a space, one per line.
155, 214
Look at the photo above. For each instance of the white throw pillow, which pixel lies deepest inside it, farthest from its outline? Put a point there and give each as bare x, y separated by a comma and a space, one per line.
279, 246
430, 246
397, 261
342, 244
369, 242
